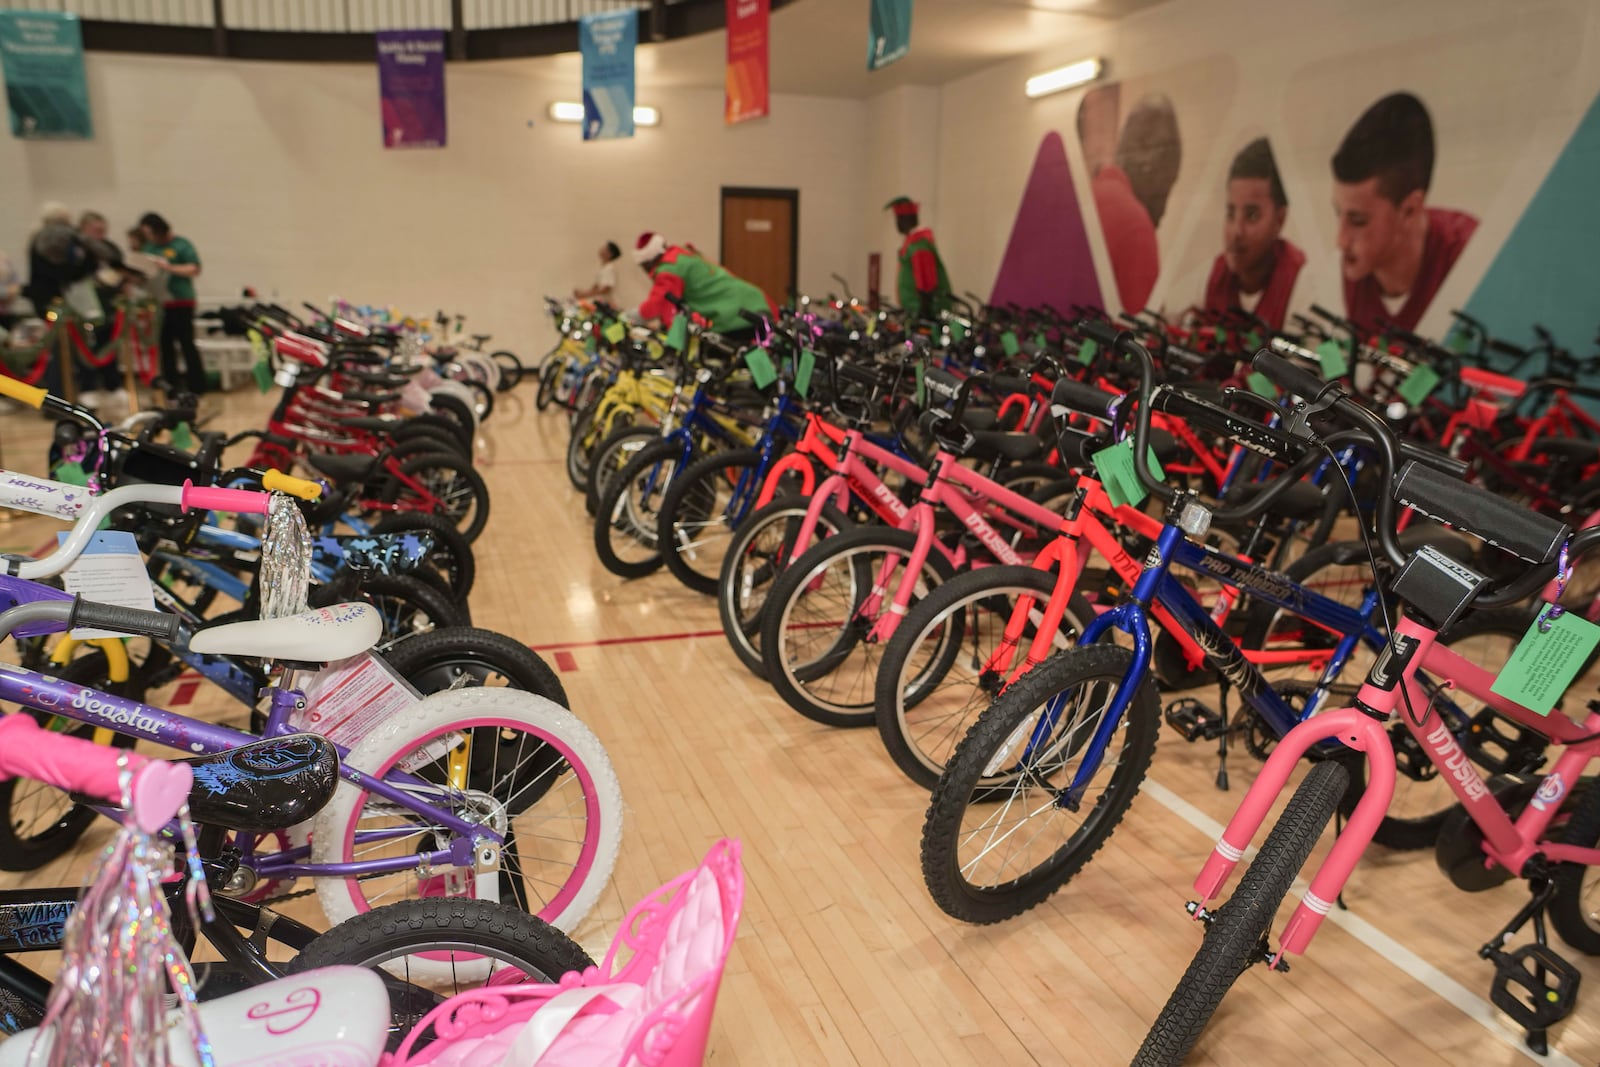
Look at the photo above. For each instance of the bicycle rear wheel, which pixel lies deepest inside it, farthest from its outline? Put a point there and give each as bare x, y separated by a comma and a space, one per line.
1001, 835
626, 522
458, 491
1237, 934
700, 511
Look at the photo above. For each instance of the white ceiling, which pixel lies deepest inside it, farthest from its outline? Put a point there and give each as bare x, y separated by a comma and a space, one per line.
819, 47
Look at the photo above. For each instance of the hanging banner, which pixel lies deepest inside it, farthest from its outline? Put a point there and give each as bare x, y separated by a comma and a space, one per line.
46, 91
889, 33
748, 51
411, 87
607, 43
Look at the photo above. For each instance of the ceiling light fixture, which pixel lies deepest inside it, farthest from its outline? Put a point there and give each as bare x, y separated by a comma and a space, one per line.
1068, 77
571, 111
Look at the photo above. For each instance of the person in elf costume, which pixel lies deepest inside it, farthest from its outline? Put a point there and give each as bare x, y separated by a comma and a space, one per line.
924, 286
710, 291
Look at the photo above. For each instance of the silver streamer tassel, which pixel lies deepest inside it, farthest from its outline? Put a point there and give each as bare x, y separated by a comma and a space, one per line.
285, 559
120, 962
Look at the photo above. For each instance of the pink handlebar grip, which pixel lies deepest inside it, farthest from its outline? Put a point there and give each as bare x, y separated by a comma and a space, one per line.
77, 766
241, 501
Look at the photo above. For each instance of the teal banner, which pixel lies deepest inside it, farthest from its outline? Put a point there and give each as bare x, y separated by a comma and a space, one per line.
889, 35
46, 92
607, 43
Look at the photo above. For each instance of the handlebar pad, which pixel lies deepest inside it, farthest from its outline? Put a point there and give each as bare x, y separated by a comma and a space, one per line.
1474, 510
1290, 378
1455, 468
123, 620
240, 501
21, 392
1010, 383
1075, 448
1236, 428
275, 481
941, 383
1083, 398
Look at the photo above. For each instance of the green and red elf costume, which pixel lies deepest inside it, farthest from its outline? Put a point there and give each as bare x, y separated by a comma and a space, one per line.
706, 289
924, 287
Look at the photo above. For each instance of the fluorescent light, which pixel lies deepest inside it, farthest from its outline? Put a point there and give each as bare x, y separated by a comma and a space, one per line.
1067, 77
571, 111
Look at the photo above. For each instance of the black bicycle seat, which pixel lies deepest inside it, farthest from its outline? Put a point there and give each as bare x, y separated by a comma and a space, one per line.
481, 339
980, 419
997, 444
264, 786
342, 468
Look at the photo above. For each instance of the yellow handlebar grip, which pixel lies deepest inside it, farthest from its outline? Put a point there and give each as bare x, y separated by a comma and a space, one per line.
278, 482
31, 395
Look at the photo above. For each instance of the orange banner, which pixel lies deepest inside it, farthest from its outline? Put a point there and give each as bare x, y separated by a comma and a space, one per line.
747, 95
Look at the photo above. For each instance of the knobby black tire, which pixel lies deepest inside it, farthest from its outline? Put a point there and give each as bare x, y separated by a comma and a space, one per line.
1236, 936
469, 520
963, 783
68, 821
457, 411
664, 452
739, 608
448, 658
438, 425
688, 505
451, 555
382, 938
946, 607
792, 682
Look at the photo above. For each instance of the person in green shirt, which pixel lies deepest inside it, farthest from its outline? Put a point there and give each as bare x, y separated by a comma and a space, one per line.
180, 261
710, 291
924, 287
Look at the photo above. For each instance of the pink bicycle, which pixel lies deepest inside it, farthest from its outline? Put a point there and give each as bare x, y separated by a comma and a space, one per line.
1542, 830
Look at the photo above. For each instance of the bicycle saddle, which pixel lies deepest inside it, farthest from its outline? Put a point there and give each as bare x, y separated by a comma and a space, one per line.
481, 339
380, 423
332, 1015
322, 635
998, 444
342, 468
265, 786
980, 419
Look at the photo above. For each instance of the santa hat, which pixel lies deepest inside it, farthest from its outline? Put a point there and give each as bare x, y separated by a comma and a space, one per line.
649, 246
902, 205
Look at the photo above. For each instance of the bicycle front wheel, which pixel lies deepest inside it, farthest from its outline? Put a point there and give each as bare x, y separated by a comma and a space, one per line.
700, 511
512, 761
1002, 833
1237, 934
626, 523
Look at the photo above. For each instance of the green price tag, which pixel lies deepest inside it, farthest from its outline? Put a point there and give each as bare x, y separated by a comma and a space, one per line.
1219, 335
1039, 341
1261, 385
678, 332
1415, 389
614, 332
1087, 351
1252, 340
1008, 341
803, 368
182, 438
921, 395
71, 473
1544, 664
958, 330
1115, 467
762, 372
1330, 354
1458, 340
262, 372
258, 344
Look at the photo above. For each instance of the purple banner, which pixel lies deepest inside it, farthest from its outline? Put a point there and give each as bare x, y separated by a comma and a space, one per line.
411, 86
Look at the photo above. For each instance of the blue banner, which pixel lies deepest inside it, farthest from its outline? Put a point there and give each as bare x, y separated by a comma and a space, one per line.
46, 92
889, 32
607, 43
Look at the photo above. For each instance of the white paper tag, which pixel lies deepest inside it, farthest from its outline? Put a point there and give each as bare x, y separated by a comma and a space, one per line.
110, 571
347, 700
433, 750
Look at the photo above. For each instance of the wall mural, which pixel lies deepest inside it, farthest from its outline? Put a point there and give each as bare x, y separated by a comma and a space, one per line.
1387, 201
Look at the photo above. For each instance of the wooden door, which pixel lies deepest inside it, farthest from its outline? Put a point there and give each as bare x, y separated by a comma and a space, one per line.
760, 238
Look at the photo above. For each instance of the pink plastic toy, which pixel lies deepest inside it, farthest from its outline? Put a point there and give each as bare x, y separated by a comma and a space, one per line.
654, 1011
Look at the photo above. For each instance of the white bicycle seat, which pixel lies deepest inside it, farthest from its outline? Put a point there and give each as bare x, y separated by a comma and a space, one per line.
330, 1017
322, 635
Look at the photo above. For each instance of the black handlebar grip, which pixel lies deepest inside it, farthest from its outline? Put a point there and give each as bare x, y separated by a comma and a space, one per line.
1101, 332
1455, 468
133, 621
1097, 403
754, 318
1290, 378
1322, 312
1474, 510
1075, 447
1506, 348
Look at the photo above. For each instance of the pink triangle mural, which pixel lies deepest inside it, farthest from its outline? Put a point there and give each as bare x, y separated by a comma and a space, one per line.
1047, 260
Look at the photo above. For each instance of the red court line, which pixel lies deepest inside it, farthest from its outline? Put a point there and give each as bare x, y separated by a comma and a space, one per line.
648, 639
565, 662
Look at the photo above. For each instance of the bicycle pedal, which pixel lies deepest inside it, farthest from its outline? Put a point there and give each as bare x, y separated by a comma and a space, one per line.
1194, 720
1534, 985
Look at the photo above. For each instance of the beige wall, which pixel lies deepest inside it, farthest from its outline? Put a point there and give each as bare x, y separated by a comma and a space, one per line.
278, 174
902, 130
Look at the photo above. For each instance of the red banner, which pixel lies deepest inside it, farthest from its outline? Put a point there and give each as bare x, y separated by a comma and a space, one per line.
747, 96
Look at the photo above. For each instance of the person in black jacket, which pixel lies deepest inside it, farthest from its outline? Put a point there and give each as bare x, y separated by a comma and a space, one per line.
57, 257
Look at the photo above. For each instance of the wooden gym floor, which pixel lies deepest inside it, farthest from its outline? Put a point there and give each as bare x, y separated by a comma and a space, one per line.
842, 958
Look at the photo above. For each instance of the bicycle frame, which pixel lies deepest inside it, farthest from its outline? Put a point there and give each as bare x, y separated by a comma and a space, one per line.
1508, 842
